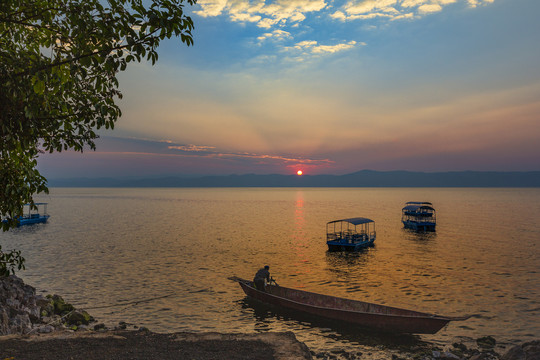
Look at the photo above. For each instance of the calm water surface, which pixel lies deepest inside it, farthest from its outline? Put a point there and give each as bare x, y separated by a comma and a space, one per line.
109, 246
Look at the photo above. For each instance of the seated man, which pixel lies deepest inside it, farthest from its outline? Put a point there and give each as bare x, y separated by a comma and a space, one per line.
262, 276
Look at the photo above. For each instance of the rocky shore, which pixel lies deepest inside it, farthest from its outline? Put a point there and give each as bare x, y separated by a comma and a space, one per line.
22, 311
44, 327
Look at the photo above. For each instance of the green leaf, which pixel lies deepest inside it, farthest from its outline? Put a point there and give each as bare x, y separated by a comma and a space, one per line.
39, 87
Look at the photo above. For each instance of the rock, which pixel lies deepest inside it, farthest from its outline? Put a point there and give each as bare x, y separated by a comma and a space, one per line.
59, 305
484, 356
42, 301
486, 342
18, 308
99, 327
515, 353
79, 317
532, 349
461, 347
526, 351
22, 311
45, 329
449, 355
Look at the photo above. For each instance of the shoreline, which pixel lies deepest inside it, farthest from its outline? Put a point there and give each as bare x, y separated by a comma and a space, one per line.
145, 344
37, 327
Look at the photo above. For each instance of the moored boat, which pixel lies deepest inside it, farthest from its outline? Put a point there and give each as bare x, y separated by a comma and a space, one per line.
379, 317
350, 234
32, 216
419, 216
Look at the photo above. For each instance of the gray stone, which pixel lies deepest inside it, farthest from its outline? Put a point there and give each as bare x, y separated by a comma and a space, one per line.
515, 353
45, 329
21, 310
486, 342
100, 327
449, 355
17, 306
526, 351
483, 356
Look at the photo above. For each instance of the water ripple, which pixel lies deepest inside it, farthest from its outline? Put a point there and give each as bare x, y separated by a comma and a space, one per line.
107, 246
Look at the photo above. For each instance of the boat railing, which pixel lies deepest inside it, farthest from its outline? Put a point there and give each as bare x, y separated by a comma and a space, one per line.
351, 237
419, 219
332, 236
418, 213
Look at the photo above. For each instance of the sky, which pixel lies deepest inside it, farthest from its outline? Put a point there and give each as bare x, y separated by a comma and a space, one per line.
330, 87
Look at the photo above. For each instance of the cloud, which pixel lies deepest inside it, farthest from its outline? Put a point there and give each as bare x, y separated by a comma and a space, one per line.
475, 3
273, 158
429, 8
144, 147
212, 8
265, 15
191, 147
395, 9
277, 35
314, 48
211, 152
321, 49
283, 24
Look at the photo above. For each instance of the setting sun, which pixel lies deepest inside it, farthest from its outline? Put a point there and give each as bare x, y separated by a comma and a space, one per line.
299, 172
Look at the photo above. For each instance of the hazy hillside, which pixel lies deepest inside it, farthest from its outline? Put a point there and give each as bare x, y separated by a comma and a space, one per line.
364, 178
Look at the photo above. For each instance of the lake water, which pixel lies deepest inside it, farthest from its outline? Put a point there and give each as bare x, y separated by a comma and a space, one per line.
108, 246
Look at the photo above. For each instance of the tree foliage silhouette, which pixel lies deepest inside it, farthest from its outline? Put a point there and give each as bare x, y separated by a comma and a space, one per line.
59, 61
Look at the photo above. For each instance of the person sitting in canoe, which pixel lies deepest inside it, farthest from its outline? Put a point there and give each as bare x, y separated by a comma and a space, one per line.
261, 277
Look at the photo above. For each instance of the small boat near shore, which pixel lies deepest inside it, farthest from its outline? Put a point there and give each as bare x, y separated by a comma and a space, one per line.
32, 216
418, 216
379, 317
350, 234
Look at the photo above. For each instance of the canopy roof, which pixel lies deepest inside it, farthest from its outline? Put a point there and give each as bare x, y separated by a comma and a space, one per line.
418, 203
354, 221
417, 207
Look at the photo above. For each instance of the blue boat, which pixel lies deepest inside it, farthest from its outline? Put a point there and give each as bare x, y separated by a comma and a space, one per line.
419, 216
33, 216
350, 234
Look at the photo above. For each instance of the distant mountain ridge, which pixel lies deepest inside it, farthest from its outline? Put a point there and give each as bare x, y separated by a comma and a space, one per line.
363, 178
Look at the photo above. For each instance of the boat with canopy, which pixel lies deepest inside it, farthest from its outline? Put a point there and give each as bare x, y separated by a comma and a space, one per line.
32, 215
419, 216
350, 234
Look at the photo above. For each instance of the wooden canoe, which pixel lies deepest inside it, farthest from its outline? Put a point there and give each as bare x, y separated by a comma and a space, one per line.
379, 317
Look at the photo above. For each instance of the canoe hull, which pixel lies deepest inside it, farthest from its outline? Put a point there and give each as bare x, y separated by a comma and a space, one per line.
379, 317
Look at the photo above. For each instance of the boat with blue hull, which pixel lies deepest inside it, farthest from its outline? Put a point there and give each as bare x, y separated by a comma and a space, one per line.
351, 234
419, 216
32, 215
